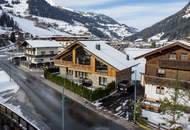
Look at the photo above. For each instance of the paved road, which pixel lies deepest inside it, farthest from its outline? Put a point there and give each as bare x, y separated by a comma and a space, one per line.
47, 102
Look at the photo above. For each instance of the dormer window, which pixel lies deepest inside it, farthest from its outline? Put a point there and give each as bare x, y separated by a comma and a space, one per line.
172, 56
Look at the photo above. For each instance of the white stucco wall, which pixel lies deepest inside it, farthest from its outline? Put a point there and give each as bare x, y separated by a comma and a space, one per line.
150, 93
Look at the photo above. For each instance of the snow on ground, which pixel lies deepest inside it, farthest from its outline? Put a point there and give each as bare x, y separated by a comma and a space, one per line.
186, 16
135, 52
29, 26
77, 28
7, 86
187, 13
1, 56
20, 8
156, 37
17, 110
158, 118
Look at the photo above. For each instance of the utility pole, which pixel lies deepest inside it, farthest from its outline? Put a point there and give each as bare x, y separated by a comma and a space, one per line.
63, 101
135, 96
10, 67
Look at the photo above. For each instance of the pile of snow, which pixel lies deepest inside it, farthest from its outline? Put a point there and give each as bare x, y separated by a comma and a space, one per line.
135, 52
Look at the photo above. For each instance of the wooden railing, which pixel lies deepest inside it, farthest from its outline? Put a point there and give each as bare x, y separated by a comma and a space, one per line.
70, 64
16, 119
168, 82
174, 64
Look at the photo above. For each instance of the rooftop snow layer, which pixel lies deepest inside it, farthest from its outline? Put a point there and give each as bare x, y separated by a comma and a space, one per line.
109, 54
43, 43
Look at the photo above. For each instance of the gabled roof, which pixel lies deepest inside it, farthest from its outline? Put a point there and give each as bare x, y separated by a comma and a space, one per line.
108, 54
43, 43
182, 43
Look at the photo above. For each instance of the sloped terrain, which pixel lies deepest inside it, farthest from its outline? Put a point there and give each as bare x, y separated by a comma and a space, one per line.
67, 20
176, 26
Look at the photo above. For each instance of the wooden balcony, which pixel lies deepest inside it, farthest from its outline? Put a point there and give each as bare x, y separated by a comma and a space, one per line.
174, 64
86, 68
168, 82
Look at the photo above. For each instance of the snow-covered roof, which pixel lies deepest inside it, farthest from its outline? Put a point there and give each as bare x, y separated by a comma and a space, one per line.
43, 43
183, 43
108, 54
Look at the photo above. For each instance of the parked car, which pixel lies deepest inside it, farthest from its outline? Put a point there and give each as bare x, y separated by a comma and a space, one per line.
125, 87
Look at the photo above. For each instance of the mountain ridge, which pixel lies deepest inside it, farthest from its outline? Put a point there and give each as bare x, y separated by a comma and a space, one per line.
73, 22
176, 26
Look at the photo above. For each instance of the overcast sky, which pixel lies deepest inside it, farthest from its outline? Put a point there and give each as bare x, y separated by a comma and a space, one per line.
136, 13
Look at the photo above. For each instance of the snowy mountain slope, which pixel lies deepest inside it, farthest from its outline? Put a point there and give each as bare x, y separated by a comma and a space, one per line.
17, 6
176, 26
29, 26
74, 22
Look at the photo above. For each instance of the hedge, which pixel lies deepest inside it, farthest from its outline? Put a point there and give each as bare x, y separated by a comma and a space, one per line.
90, 95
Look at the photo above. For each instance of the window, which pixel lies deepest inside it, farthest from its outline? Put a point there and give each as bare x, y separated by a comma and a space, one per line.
76, 74
101, 67
51, 59
82, 56
184, 56
160, 90
172, 56
82, 75
161, 72
102, 81
51, 52
68, 56
70, 72
43, 52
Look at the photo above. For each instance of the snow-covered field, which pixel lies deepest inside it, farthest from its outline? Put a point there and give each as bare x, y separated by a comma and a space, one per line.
135, 52
29, 26
77, 28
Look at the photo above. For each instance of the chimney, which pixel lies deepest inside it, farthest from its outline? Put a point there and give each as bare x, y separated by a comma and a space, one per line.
98, 47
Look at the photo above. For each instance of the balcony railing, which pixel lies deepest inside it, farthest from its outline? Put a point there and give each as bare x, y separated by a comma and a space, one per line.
37, 56
71, 65
168, 82
174, 64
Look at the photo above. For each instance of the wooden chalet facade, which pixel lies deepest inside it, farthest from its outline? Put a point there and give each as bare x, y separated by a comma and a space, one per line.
93, 63
163, 67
